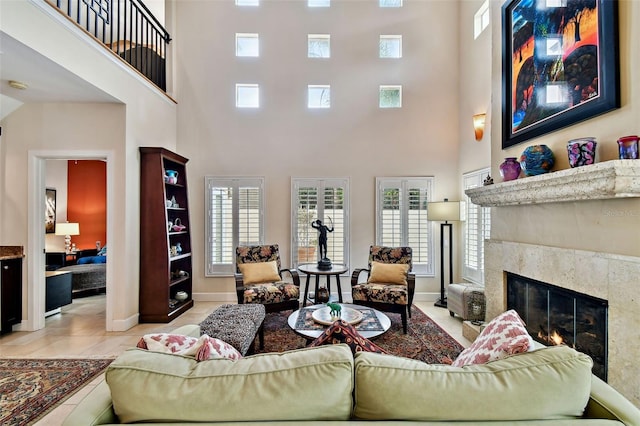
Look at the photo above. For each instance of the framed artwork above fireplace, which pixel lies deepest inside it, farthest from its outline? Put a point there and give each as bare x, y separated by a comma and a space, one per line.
559, 64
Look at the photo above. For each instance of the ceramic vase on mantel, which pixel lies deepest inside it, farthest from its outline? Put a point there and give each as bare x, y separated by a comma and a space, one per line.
536, 160
510, 169
582, 152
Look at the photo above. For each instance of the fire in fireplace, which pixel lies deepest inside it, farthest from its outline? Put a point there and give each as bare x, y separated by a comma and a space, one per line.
557, 316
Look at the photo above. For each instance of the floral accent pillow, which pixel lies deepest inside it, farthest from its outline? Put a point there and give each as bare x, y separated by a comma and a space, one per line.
201, 348
343, 332
504, 335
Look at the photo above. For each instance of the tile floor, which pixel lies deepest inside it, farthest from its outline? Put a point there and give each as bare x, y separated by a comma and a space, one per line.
78, 332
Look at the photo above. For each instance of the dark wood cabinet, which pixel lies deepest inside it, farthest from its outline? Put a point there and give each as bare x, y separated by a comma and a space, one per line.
58, 290
10, 293
165, 236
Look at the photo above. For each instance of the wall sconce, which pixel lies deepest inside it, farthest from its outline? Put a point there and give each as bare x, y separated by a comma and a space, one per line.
478, 125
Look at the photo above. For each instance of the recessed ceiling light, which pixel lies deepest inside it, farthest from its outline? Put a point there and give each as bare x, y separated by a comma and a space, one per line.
18, 84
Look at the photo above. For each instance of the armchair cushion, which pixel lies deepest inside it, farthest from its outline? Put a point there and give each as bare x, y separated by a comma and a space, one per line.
271, 293
259, 272
381, 293
389, 273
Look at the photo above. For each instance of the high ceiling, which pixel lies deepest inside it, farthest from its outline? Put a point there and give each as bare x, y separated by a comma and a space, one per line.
46, 80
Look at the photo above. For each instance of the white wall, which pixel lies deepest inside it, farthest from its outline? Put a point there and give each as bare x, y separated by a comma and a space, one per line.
283, 139
145, 117
475, 88
56, 178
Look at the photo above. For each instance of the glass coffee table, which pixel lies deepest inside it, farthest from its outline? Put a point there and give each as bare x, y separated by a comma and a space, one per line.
311, 321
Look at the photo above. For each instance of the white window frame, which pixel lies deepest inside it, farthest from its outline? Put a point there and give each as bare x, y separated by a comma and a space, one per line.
318, 38
387, 3
475, 229
384, 37
239, 87
322, 87
388, 87
298, 205
481, 19
222, 267
318, 3
247, 36
423, 253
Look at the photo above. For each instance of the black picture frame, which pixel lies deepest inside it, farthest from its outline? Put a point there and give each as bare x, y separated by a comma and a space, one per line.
553, 75
50, 211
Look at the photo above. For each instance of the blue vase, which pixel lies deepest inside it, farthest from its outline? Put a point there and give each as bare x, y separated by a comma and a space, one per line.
536, 160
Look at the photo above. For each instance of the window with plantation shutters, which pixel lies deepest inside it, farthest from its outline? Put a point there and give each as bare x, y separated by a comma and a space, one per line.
327, 200
401, 218
476, 229
235, 216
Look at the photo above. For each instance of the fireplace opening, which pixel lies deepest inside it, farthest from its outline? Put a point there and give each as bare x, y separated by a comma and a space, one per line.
554, 316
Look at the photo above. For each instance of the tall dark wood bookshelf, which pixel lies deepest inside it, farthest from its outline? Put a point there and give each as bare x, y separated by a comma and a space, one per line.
163, 272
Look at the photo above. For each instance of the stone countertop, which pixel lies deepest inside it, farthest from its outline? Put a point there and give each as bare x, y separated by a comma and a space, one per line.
11, 252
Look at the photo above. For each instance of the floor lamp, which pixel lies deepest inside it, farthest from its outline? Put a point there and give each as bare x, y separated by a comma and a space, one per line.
444, 211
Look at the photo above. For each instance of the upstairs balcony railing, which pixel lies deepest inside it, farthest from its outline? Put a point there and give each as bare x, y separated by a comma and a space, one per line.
128, 28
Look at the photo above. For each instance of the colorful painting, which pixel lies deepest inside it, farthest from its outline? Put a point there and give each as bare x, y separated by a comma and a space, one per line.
50, 211
560, 64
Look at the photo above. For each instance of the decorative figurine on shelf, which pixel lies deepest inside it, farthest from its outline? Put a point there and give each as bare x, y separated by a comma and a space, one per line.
335, 310
324, 264
487, 181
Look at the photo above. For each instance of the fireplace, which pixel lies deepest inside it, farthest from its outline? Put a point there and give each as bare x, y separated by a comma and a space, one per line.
555, 315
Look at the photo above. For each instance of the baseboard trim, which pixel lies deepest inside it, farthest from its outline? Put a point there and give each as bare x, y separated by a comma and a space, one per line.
125, 324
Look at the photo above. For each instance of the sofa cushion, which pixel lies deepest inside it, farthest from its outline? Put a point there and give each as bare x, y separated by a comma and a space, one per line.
305, 384
549, 383
504, 335
343, 332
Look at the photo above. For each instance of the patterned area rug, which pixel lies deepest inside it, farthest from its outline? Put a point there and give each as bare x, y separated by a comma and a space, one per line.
425, 340
30, 388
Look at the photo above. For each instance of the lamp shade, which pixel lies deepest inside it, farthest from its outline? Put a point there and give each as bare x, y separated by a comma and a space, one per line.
442, 211
67, 228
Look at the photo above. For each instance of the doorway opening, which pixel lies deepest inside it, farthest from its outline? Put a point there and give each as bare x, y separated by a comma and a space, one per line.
36, 283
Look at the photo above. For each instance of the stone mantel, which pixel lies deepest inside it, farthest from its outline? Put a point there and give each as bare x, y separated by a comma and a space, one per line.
600, 181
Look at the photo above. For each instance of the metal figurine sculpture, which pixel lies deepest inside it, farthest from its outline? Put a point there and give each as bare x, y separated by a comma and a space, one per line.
324, 263
334, 309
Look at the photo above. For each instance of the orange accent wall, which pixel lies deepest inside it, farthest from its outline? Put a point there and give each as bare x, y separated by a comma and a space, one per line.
87, 201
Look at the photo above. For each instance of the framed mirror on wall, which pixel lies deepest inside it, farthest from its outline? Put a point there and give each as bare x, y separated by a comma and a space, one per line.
559, 64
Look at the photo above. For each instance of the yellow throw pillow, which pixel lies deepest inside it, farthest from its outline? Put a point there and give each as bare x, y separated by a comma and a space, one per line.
259, 272
389, 273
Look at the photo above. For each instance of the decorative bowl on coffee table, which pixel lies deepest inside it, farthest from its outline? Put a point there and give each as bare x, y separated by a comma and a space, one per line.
323, 316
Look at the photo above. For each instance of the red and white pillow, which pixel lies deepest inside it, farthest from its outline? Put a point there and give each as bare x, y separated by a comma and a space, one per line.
201, 348
504, 335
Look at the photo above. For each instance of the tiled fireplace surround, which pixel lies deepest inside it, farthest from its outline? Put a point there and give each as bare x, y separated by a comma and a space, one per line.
523, 242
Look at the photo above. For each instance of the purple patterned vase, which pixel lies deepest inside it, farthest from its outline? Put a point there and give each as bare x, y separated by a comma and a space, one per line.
510, 169
581, 151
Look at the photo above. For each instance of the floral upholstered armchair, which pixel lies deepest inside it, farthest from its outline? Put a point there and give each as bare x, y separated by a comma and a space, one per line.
259, 279
390, 283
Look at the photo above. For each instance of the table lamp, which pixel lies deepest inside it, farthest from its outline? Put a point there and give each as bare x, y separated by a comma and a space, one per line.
67, 229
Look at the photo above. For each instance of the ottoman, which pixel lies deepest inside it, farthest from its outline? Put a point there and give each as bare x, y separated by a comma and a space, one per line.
237, 325
466, 300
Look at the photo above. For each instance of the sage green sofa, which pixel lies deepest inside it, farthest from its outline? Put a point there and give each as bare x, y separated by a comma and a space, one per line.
328, 385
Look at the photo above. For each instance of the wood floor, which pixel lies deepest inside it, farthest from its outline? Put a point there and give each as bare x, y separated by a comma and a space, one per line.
79, 332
